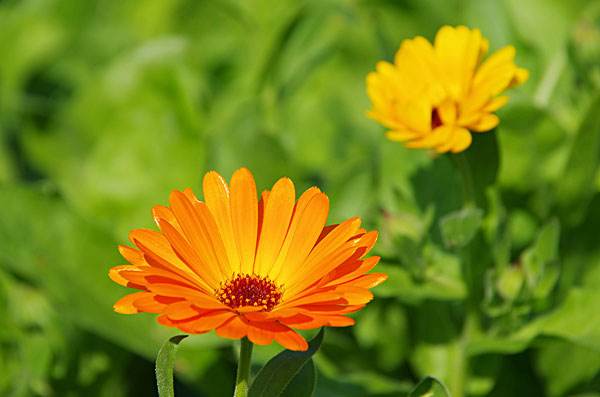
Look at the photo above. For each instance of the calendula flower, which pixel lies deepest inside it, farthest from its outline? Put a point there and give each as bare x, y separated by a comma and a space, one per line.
247, 267
434, 96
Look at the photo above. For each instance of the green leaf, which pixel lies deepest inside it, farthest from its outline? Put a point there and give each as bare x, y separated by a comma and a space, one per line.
510, 282
304, 382
429, 387
576, 186
484, 162
273, 379
458, 228
538, 258
576, 320
164, 366
441, 282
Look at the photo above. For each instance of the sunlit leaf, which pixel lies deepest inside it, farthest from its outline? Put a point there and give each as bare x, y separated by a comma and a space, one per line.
164, 366
281, 370
430, 387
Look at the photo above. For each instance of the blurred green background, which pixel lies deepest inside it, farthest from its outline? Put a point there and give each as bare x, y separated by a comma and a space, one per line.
106, 106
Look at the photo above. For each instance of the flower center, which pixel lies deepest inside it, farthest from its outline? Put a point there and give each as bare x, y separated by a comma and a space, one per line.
436, 121
249, 290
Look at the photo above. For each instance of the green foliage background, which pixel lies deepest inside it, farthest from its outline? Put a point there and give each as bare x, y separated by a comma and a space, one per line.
106, 106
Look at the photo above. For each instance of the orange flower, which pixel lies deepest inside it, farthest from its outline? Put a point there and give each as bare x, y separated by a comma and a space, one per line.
434, 95
248, 267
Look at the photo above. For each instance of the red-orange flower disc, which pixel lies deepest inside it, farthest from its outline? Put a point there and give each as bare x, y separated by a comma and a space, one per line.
248, 267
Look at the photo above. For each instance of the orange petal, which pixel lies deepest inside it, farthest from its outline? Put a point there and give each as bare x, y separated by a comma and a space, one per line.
348, 271
162, 212
350, 251
244, 217
319, 296
158, 252
206, 322
234, 328
132, 255
207, 272
201, 231
324, 321
216, 196
149, 275
260, 336
198, 298
115, 274
180, 311
307, 223
368, 280
291, 340
354, 295
277, 215
125, 304
330, 244
149, 304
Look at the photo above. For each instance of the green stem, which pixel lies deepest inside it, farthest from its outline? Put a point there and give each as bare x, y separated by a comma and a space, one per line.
462, 165
242, 380
461, 364
461, 370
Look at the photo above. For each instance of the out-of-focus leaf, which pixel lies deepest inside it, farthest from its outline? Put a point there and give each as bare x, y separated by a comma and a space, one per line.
576, 320
440, 285
164, 366
538, 260
430, 387
69, 258
559, 378
376, 326
362, 384
280, 371
483, 161
510, 282
527, 126
437, 184
459, 228
576, 186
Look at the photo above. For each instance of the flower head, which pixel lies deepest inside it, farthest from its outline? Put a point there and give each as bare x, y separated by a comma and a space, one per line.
434, 96
248, 267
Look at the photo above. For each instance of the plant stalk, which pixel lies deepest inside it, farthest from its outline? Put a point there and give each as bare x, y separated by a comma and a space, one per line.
462, 165
242, 380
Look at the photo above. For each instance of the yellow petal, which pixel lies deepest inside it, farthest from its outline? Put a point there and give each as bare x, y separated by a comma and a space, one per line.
458, 50
461, 140
485, 123
402, 135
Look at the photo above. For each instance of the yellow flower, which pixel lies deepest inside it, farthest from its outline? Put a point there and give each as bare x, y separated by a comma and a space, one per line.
434, 96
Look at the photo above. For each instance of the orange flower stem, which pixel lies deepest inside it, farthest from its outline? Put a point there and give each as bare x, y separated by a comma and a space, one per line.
242, 380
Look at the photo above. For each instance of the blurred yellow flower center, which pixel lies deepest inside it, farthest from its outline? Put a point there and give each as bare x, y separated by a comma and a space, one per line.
249, 290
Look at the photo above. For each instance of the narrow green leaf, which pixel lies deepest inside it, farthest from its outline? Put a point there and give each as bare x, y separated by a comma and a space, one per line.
459, 227
280, 371
430, 387
164, 366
